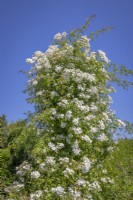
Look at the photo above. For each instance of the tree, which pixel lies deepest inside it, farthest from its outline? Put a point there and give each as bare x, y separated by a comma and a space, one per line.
72, 125
3, 131
8, 158
119, 166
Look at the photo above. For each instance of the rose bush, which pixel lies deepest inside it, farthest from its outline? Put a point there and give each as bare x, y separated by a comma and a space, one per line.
73, 124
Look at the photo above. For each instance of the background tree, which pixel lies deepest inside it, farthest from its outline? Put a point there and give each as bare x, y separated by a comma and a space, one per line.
119, 166
8, 158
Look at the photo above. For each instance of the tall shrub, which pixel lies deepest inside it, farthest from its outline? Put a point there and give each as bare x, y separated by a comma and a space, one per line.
69, 85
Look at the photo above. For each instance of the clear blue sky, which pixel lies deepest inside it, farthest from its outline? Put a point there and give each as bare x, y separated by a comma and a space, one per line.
29, 25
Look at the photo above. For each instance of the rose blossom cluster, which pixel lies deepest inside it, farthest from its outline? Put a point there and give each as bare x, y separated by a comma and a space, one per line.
69, 86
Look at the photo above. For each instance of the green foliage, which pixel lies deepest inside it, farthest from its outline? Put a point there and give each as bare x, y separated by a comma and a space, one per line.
3, 131
8, 161
120, 166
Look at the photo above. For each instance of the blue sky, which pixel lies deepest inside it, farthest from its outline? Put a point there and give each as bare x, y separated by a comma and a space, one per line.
29, 25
